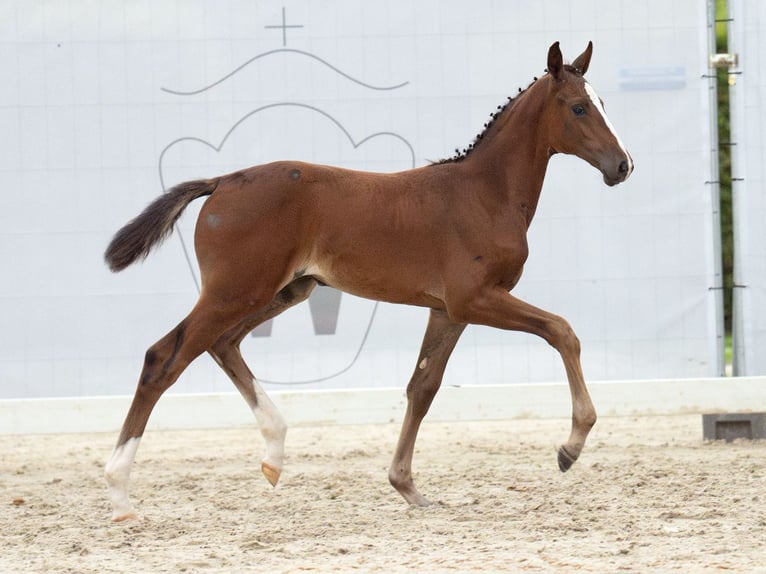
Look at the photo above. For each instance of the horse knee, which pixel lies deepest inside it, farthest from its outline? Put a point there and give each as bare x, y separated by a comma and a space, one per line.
562, 337
421, 393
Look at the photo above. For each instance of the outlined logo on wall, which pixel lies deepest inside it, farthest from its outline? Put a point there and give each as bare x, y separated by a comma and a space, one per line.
279, 358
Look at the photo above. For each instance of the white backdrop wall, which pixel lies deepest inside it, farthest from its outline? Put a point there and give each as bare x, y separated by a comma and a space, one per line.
105, 103
747, 38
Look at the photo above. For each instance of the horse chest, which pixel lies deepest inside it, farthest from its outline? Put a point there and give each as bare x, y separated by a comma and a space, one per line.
504, 262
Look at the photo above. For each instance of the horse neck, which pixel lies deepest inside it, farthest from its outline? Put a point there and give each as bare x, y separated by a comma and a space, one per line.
514, 152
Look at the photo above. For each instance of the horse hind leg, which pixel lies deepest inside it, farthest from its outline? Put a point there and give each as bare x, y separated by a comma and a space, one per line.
225, 351
163, 364
440, 339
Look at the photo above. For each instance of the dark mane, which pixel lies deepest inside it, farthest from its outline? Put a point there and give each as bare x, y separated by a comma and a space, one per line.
462, 154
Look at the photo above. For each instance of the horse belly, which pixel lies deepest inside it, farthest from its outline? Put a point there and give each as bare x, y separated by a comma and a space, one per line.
380, 278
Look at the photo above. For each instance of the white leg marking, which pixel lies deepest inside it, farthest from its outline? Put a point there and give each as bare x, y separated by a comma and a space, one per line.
273, 427
600, 107
117, 473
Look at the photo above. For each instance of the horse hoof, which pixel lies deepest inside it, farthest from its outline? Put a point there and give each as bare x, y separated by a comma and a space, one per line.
414, 498
271, 473
566, 460
124, 516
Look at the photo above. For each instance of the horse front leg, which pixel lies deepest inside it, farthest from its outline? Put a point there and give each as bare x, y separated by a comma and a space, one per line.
439, 340
498, 308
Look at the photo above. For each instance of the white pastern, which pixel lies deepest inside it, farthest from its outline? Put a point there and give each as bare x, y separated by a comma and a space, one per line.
600, 107
272, 426
117, 473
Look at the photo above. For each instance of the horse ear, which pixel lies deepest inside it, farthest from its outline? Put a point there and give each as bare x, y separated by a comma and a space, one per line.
555, 61
583, 60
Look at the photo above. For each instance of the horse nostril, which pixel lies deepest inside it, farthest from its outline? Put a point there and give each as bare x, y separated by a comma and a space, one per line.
623, 167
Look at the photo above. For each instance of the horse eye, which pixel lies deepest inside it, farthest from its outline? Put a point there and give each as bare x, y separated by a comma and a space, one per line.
578, 110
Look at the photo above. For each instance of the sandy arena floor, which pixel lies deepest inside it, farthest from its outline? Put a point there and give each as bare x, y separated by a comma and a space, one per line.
646, 496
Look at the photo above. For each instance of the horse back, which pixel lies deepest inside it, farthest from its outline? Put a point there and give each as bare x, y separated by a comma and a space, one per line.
348, 228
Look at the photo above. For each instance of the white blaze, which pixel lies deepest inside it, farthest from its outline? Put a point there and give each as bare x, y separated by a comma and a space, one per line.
599, 106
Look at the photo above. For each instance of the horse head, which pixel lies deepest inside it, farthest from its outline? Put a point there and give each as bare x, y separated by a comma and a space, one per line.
579, 124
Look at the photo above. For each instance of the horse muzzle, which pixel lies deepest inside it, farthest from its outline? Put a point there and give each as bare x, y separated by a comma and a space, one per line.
619, 171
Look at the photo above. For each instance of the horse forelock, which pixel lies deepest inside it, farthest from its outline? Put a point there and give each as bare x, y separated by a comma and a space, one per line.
573, 70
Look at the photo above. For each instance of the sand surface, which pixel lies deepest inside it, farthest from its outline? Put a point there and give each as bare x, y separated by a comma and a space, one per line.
648, 495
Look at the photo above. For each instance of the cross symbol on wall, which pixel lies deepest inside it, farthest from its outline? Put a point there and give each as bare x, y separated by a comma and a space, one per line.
284, 26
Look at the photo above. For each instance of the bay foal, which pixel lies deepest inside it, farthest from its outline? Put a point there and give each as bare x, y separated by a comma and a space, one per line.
450, 236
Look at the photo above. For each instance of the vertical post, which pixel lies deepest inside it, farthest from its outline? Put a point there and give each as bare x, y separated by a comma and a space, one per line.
739, 197
716, 290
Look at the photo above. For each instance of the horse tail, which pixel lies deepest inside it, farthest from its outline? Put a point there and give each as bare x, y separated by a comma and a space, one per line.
155, 223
